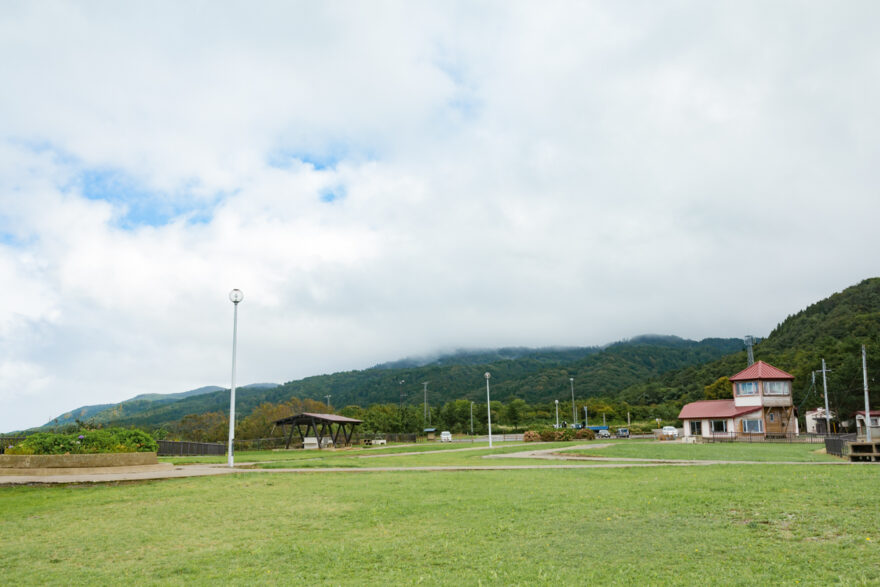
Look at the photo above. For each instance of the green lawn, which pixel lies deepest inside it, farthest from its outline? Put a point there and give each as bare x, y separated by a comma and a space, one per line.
727, 524
733, 451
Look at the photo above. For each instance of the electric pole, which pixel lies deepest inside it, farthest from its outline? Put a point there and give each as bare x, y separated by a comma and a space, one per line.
867, 403
825, 393
328, 396
574, 417
425, 383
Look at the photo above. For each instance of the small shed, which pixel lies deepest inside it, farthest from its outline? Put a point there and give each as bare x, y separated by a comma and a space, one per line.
431, 433
322, 427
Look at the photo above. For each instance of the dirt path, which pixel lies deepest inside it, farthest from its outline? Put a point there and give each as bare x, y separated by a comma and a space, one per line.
122, 474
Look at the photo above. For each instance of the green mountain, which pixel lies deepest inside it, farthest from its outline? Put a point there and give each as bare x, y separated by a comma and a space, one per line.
535, 375
658, 372
132, 408
833, 329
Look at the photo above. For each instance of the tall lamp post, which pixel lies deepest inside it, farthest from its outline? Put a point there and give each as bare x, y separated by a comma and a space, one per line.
557, 413
235, 296
487, 375
574, 417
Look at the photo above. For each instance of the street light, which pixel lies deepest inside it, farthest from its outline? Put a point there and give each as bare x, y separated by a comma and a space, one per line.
235, 296
574, 417
487, 375
557, 413
472, 420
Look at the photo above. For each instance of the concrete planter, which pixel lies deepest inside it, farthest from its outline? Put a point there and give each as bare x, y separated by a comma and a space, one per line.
88, 461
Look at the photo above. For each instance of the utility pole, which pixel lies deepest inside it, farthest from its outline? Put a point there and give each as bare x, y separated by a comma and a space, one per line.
425, 383
328, 396
825, 393
586, 417
574, 417
867, 403
472, 418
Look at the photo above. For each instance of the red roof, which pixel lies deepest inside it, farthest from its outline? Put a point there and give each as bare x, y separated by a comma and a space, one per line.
761, 370
714, 408
873, 413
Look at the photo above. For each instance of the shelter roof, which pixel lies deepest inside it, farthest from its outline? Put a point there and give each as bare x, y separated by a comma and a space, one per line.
308, 416
761, 370
714, 408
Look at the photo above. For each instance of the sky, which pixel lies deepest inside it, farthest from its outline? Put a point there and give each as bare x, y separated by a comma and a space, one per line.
393, 179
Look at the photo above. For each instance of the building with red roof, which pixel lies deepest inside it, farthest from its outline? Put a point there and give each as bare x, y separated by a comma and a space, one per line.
761, 406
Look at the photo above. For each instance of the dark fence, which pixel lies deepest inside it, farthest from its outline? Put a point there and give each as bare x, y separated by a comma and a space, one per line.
262, 443
6, 441
179, 448
838, 444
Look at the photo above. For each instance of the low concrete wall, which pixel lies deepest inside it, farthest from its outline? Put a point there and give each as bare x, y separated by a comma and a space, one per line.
121, 459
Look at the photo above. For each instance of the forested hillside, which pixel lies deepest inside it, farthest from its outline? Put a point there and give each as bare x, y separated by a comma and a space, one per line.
537, 376
649, 377
833, 329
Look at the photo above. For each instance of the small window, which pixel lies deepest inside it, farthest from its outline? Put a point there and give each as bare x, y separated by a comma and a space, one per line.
777, 388
771, 416
696, 428
719, 425
753, 426
747, 388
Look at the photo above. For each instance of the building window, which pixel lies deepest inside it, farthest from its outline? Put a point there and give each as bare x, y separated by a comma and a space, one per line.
753, 426
719, 425
777, 388
747, 388
696, 428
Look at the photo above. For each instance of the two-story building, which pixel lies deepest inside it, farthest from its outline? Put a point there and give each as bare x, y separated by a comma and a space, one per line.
761, 406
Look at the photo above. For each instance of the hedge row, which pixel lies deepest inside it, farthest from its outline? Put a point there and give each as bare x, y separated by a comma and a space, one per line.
105, 440
558, 434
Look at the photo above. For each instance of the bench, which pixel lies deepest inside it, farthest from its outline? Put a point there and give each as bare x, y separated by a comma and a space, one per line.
310, 442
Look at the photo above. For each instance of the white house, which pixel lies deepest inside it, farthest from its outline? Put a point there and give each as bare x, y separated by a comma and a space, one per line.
761, 406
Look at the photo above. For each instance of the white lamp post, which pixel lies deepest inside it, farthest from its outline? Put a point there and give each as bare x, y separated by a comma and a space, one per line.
487, 375
557, 413
574, 417
235, 296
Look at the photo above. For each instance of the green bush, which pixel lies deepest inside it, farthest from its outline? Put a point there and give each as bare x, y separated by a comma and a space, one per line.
107, 440
585, 434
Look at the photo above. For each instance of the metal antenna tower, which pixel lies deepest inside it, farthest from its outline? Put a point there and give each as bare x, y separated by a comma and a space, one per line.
750, 340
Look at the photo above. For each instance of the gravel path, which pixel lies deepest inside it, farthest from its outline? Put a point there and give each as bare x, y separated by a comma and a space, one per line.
123, 474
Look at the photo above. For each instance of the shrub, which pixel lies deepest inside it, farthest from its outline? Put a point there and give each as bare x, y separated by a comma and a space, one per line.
547, 435
86, 442
564, 434
531, 436
585, 434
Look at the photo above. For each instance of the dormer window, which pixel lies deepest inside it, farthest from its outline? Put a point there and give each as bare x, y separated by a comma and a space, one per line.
747, 388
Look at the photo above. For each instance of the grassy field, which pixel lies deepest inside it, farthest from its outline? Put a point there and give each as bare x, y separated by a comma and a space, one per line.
727, 524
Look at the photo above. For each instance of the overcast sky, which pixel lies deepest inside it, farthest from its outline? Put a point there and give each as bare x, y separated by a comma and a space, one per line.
387, 179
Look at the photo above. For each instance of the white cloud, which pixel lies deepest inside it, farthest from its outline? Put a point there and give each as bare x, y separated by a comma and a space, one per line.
390, 179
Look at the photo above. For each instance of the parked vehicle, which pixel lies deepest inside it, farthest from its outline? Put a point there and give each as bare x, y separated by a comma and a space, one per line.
446, 436
603, 434
669, 431
623, 433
